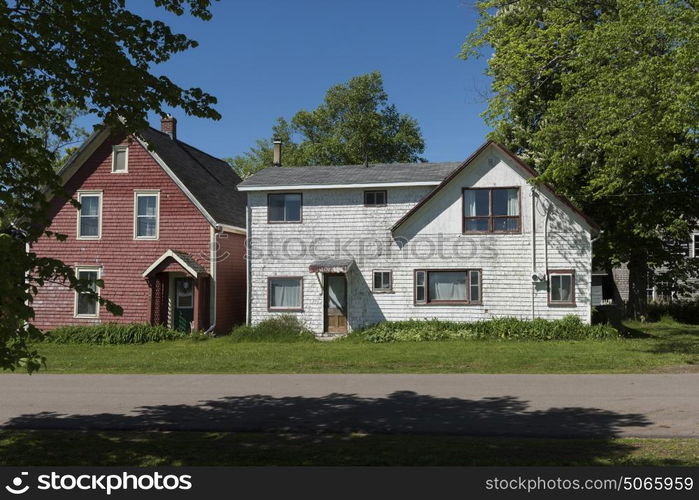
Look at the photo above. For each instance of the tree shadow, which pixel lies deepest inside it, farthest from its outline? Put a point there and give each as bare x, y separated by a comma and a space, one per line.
338, 429
400, 412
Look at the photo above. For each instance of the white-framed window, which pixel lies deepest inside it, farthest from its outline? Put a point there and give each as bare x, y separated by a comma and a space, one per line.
90, 215
86, 305
285, 293
120, 159
562, 288
447, 286
382, 281
146, 215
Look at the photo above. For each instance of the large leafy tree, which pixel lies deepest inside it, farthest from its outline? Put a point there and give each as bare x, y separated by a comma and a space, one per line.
355, 124
602, 97
57, 56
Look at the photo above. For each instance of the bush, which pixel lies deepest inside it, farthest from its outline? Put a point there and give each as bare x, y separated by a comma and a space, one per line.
683, 311
568, 328
112, 333
285, 328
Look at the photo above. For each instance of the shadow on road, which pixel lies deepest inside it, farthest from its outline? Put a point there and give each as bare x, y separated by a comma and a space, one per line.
400, 412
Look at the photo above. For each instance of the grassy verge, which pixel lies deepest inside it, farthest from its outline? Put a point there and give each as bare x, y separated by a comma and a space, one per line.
22, 448
657, 347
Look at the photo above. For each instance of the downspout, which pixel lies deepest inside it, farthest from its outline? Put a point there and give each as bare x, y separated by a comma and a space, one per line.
215, 232
546, 239
533, 231
248, 262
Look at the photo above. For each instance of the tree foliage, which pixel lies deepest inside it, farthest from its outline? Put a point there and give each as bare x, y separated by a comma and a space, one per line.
355, 124
602, 97
58, 56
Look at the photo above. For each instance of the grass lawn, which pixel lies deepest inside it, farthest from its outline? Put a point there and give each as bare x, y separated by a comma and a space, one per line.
665, 346
22, 448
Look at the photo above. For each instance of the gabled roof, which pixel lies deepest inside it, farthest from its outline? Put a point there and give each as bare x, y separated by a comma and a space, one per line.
454, 173
348, 176
185, 260
210, 183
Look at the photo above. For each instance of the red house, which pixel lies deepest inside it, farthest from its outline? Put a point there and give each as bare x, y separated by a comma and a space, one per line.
161, 223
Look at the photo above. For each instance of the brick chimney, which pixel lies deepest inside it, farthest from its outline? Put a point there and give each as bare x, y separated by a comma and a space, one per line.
168, 125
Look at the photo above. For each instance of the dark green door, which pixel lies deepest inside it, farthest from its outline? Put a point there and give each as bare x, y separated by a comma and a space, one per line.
184, 304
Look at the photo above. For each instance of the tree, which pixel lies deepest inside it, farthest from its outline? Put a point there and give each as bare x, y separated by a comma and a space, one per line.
602, 97
56, 56
355, 124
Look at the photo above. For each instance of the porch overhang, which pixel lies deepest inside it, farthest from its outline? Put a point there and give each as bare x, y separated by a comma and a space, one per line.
334, 266
186, 261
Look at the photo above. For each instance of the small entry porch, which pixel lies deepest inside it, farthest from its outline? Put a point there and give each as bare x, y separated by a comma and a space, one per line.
179, 292
332, 276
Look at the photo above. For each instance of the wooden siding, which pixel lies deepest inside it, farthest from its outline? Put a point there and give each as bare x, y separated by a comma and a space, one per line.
122, 259
337, 224
230, 282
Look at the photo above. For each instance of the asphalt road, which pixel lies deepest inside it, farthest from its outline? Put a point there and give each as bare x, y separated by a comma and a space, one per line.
493, 405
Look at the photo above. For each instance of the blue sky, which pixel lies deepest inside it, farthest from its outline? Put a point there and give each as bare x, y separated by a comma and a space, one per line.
268, 58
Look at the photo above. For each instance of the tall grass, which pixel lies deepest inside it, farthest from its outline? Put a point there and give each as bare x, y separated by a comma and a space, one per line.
568, 328
285, 328
113, 333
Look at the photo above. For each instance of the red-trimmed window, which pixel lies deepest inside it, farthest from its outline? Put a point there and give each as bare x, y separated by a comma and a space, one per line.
491, 210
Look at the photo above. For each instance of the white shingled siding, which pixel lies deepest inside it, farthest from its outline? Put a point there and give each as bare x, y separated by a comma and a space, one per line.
336, 224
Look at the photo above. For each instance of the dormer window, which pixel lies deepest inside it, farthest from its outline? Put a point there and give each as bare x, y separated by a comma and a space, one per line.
491, 210
120, 159
375, 198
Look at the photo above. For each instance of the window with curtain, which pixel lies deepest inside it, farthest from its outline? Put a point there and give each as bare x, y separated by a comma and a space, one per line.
561, 287
89, 216
491, 210
146, 216
285, 293
86, 305
448, 286
284, 207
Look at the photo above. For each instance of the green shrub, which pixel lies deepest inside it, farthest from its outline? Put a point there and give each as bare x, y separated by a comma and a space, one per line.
683, 311
285, 328
568, 328
112, 333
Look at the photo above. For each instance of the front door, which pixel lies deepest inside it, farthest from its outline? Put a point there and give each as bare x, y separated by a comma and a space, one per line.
335, 303
184, 304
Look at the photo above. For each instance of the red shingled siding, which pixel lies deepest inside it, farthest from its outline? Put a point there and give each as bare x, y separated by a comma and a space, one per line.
230, 282
123, 259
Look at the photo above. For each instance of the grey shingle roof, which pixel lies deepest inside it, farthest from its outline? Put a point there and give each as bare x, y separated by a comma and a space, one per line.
190, 261
210, 180
385, 173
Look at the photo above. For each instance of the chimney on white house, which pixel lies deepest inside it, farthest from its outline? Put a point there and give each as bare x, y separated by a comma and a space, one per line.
277, 153
168, 125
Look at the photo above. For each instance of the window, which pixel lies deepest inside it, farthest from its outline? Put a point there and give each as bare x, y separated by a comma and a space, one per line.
375, 198
696, 245
147, 208
382, 281
493, 210
284, 207
86, 305
448, 286
120, 159
89, 215
285, 294
562, 287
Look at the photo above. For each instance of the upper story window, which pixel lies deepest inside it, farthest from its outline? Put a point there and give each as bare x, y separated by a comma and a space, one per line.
491, 210
147, 215
562, 288
382, 281
90, 215
375, 198
120, 159
448, 286
284, 207
695, 245
86, 305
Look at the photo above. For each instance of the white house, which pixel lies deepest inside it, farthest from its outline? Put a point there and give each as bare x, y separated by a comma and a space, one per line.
343, 247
